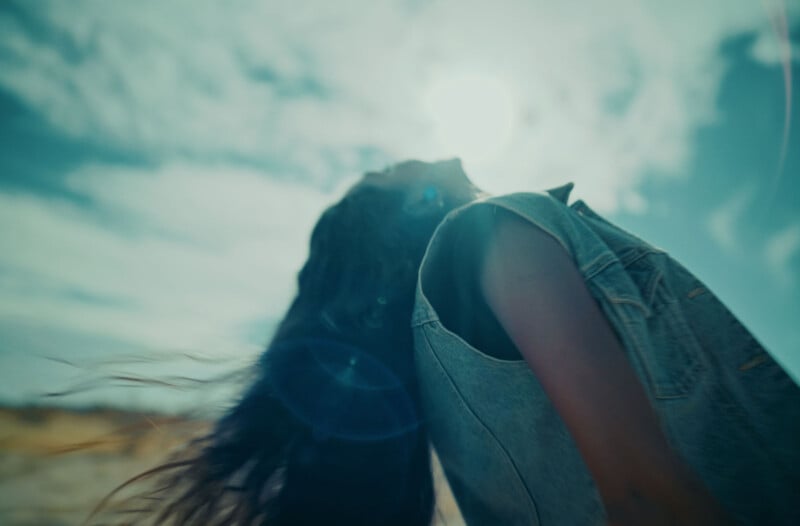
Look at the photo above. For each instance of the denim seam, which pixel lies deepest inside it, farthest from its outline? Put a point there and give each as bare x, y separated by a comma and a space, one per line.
589, 272
483, 425
696, 365
493, 361
419, 321
640, 253
510, 208
639, 349
617, 299
584, 210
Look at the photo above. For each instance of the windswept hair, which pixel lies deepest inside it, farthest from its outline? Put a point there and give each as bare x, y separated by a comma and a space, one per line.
331, 431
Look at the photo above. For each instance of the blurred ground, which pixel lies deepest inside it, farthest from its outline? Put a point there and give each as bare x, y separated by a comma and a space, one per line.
56, 465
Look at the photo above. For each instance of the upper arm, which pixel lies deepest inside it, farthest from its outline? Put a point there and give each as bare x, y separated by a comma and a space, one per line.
540, 298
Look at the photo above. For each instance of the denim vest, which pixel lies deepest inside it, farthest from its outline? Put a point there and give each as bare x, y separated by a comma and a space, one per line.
723, 402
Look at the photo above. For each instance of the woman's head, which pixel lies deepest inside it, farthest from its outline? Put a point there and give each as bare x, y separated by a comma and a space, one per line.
358, 281
331, 430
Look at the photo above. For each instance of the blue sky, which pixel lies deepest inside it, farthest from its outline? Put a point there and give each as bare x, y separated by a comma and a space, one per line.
162, 163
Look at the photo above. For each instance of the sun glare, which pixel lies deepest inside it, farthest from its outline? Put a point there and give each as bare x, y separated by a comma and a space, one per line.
472, 113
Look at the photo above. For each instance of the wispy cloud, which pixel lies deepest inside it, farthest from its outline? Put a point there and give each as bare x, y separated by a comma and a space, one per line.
723, 221
770, 49
777, 257
182, 258
782, 254
775, 46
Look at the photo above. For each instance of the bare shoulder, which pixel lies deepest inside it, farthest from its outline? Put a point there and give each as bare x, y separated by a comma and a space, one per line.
520, 255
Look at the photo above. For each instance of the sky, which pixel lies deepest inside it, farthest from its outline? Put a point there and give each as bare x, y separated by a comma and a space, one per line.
162, 163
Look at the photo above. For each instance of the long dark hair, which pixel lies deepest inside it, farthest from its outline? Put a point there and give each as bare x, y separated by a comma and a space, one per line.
331, 431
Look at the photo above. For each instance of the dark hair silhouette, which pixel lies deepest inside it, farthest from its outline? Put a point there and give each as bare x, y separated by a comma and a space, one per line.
331, 431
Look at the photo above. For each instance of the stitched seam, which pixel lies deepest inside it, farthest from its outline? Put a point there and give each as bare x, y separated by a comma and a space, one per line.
531, 220
463, 402
493, 361
641, 252
419, 321
589, 272
581, 206
617, 299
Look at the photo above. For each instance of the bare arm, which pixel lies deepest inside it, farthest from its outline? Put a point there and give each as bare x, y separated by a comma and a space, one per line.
539, 297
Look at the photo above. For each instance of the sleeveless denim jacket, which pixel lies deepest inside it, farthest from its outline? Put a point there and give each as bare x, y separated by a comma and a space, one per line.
723, 402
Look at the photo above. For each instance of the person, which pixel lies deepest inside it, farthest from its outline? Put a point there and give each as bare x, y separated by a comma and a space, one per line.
565, 371
649, 402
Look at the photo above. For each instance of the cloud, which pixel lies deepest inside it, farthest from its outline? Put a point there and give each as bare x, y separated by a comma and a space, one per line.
182, 258
781, 253
775, 45
723, 220
769, 49
780, 249
599, 99
248, 109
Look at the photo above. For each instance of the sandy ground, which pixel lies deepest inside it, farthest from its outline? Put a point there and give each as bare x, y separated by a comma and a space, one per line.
56, 465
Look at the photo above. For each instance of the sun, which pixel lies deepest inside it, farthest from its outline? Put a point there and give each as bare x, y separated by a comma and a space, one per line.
472, 114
